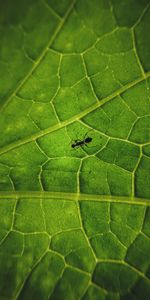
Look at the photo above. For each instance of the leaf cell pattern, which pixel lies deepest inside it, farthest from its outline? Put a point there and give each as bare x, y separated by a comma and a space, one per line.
71, 68
87, 254
54, 103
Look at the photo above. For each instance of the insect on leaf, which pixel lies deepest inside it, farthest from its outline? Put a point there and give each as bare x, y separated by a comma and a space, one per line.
75, 150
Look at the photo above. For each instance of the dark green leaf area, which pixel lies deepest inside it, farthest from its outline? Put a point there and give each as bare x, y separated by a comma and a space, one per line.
22, 27
114, 180
108, 246
114, 276
73, 283
120, 153
105, 239
45, 276
142, 178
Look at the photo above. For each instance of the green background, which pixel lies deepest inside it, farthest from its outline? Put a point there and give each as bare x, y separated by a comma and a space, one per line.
74, 223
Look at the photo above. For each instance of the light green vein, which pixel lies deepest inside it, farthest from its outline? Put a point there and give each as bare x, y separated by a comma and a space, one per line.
73, 197
91, 108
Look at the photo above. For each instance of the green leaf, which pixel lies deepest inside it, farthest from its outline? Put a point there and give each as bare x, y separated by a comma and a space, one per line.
75, 221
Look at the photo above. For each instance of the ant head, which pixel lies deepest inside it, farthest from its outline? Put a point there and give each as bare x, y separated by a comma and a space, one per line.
73, 145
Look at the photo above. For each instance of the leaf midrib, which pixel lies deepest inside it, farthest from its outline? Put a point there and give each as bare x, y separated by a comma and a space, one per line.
91, 108
73, 197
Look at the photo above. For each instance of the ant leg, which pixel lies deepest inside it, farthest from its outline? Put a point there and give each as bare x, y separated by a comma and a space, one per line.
77, 141
87, 133
83, 149
73, 141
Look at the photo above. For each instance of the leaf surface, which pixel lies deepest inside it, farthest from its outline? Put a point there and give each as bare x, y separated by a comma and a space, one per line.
75, 220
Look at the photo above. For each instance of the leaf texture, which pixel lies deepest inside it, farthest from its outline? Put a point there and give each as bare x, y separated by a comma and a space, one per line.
74, 222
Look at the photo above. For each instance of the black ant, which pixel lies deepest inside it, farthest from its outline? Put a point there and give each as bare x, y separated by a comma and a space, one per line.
81, 143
